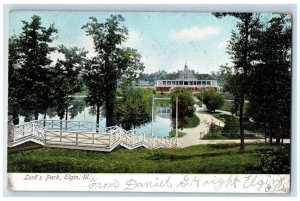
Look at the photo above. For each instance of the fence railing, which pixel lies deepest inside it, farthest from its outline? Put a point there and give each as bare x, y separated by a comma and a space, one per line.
83, 135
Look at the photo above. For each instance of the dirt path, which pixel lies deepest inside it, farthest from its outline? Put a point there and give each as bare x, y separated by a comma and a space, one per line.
193, 135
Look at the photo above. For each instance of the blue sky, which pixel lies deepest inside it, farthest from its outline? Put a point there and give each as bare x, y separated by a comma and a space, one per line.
166, 40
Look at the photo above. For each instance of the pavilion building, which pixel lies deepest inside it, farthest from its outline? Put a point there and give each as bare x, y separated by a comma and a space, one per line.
186, 79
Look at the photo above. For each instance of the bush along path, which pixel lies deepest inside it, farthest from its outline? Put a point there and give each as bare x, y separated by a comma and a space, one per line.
193, 135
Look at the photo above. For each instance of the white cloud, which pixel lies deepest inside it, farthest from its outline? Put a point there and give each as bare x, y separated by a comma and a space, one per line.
133, 39
151, 63
194, 33
54, 56
223, 44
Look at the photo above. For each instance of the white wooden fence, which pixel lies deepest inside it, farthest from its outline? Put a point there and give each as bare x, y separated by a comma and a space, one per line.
83, 135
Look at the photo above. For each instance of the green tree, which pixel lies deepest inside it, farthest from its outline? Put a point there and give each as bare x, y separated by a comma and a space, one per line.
212, 99
231, 126
113, 61
34, 65
93, 77
270, 92
66, 80
14, 79
243, 50
134, 109
185, 103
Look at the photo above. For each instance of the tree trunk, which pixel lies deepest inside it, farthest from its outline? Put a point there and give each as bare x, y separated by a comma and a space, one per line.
242, 145
110, 108
271, 137
97, 118
245, 68
66, 113
36, 115
265, 135
66, 118
60, 123
45, 115
278, 135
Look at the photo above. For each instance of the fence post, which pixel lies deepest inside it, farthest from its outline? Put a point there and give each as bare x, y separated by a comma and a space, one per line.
76, 138
23, 130
33, 128
110, 140
45, 137
143, 138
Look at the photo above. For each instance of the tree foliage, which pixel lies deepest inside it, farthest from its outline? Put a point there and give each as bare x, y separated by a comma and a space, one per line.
111, 62
231, 126
242, 49
66, 80
270, 89
134, 109
212, 99
14, 79
261, 53
30, 60
185, 103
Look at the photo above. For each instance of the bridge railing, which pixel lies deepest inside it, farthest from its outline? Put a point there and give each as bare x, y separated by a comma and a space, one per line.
70, 125
78, 139
108, 138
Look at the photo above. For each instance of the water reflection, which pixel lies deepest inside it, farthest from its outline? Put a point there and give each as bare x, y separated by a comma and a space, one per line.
79, 111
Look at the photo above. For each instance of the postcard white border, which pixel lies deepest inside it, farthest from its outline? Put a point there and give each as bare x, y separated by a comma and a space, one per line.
208, 183
203, 8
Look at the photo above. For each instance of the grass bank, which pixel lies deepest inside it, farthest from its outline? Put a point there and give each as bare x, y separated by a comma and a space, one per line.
219, 115
172, 133
196, 159
192, 121
227, 106
220, 136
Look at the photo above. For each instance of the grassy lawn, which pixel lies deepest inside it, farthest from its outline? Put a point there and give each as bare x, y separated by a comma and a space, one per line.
172, 133
192, 121
165, 95
219, 136
196, 159
227, 106
219, 116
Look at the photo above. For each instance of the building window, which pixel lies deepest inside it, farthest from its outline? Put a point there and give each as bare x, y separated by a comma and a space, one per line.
169, 82
198, 82
208, 83
191, 82
164, 83
186, 83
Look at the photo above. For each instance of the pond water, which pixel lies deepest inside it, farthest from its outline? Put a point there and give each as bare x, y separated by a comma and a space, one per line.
78, 111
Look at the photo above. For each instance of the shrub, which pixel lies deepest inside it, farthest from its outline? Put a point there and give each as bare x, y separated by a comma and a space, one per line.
231, 127
212, 99
276, 160
185, 103
214, 133
214, 128
192, 121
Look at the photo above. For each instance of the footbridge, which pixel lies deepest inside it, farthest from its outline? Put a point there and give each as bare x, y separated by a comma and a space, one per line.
83, 135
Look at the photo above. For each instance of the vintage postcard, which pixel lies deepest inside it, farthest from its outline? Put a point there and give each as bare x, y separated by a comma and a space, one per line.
149, 101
